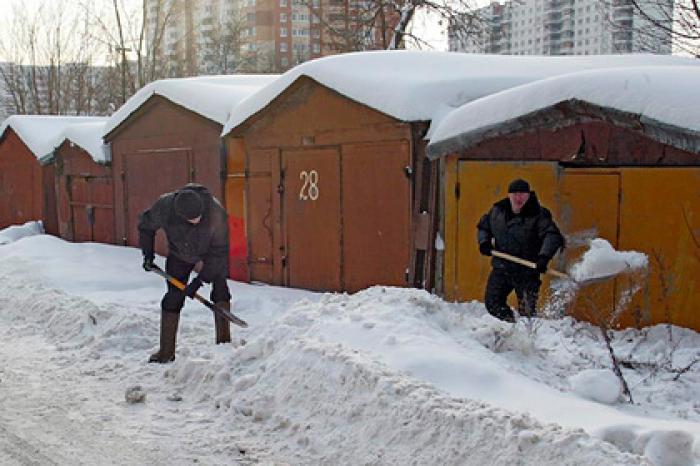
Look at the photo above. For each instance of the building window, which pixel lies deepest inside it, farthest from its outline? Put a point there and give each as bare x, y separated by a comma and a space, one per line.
283, 3
283, 17
283, 32
284, 61
283, 46
317, 48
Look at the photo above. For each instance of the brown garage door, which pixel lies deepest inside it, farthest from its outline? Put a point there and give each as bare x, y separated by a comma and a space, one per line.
91, 208
311, 212
147, 176
376, 214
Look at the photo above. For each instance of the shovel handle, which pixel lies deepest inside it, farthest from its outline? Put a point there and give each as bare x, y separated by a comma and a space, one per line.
527, 263
213, 307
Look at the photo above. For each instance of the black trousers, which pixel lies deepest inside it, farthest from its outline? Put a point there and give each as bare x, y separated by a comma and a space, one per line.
174, 298
502, 282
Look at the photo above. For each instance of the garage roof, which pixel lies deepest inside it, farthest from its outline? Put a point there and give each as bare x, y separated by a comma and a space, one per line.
662, 102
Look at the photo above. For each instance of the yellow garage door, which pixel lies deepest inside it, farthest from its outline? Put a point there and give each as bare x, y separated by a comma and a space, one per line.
589, 208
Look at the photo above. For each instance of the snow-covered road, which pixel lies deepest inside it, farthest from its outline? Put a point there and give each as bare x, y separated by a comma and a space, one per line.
385, 376
68, 416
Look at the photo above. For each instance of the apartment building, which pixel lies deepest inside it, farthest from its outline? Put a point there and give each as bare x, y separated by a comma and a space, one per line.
222, 36
190, 37
284, 33
561, 27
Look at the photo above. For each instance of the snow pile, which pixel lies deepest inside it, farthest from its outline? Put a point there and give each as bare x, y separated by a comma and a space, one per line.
87, 136
384, 376
600, 385
602, 260
15, 232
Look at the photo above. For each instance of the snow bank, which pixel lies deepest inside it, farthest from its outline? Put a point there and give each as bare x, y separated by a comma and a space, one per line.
15, 232
602, 260
423, 86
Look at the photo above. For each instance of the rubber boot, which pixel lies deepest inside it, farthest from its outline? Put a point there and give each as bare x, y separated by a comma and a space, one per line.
222, 325
168, 335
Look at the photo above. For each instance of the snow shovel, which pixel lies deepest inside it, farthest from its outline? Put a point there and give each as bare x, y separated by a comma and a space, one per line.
554, 273
226, 314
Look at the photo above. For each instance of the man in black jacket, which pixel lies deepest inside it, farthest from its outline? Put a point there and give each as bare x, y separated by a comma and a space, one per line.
196, 226
520, 226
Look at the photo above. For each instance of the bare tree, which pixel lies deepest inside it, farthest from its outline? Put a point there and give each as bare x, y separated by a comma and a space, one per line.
50, 63
355, 25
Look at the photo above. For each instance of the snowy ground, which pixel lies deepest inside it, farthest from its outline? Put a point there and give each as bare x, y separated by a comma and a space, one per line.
385, 376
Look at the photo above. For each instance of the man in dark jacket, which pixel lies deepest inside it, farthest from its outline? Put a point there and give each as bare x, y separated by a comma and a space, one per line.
196, 226
520, 226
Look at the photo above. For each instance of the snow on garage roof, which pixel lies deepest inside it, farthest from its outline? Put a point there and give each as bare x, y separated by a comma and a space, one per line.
209, 96
87, 136
418, 86
39, 132
665, 100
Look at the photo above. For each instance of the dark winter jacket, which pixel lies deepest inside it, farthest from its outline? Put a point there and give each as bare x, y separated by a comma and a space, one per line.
528, 235
207, 241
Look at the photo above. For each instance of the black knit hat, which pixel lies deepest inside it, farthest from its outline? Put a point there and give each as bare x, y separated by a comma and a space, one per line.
519, 186
188, 204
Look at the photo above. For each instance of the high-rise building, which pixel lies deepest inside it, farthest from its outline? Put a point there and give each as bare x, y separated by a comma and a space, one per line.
220, 36
190, 37
283, 33
562, 27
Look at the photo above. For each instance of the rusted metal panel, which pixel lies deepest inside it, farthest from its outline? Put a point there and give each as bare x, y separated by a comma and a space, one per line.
22, 185
376, 210
148, 175
311, 215
160, 129
595, 143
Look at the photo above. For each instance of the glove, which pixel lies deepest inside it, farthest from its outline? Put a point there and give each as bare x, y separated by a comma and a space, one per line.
542, 262
485, 248
192, 287
148, 262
